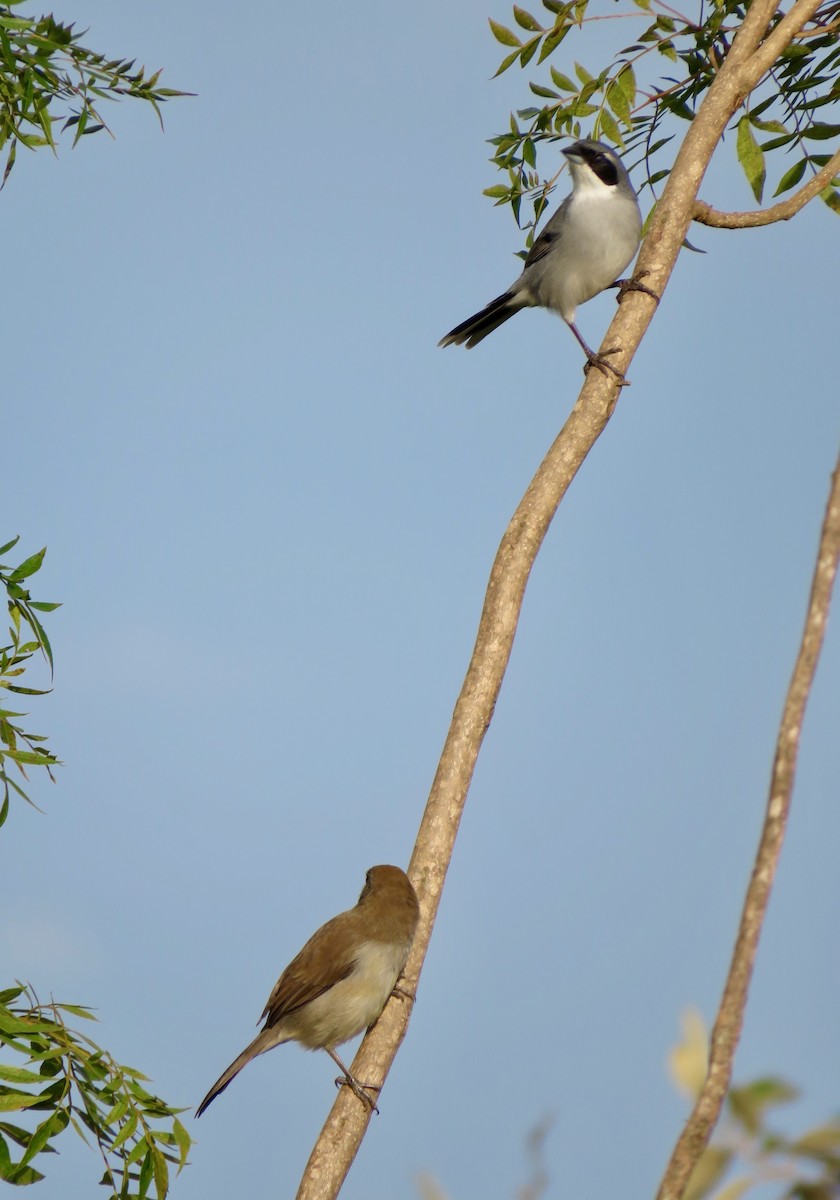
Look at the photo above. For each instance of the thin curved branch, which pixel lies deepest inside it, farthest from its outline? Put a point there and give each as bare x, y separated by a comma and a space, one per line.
341, 1136
704, 214
729, 1021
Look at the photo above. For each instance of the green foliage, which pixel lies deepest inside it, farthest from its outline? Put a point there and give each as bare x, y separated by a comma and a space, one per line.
657, 81
26, 637
746, 1151
43, 68
68, 1077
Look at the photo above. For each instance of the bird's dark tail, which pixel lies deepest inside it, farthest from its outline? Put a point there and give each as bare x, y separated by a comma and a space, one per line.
478, 326
262, 1042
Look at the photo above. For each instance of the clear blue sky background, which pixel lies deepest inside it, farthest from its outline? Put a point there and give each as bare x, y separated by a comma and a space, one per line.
271, 504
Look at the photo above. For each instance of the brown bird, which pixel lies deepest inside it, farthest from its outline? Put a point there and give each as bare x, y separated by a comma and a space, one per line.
339, 983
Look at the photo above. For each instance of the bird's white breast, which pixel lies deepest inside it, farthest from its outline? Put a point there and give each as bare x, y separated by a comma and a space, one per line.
600, 237
355, 1002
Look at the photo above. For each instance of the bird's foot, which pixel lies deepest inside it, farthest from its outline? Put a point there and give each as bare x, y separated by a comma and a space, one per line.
599, 361
356, 1087
634, 285
403, 994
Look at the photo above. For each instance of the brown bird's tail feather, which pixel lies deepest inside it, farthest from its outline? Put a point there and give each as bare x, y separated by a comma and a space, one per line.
265, 1040
476, 327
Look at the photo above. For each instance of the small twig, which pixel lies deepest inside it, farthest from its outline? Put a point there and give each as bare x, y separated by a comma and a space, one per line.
727, 1028
704, 214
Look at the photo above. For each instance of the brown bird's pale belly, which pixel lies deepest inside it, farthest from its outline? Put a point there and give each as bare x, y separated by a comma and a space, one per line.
352, 1004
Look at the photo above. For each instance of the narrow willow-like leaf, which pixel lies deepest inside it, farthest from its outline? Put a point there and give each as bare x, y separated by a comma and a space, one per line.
751, 158
791, 177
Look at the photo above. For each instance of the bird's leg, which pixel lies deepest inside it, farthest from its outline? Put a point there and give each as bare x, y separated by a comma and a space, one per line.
403, 994
598, 360
353, 1083
633, 285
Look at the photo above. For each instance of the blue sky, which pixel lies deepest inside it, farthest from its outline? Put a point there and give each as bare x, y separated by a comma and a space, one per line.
271, 504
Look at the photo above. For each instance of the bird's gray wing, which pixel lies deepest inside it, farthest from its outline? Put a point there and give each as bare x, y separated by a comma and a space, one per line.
323, 962
549, 238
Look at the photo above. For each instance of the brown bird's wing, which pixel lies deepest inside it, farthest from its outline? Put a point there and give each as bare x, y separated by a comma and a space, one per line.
323, 962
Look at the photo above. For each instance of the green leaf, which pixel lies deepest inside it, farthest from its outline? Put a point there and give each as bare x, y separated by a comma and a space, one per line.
544, 92
15, 1101
503, 35
19, 1074
55, 1123
582, 74
678, 107
831, 198
506, 62
618, 102
183, 1140
29, 566
776, 143
609, 127
627, 82
819, 131
528, 51
146, 1172
23, 1175
748, 1104
10, 544
552, 41
525, 20
562, 81
161, 1173
78, 1010
767, 126
751, 158
666, 49
126, 1131
791, 177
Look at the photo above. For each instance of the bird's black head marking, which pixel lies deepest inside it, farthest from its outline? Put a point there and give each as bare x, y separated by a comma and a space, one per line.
600, 163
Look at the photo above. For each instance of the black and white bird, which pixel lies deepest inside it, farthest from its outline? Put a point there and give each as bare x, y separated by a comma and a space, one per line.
589, 241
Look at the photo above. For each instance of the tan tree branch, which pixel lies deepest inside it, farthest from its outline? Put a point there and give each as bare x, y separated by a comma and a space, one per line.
704, 214
781, 36
783, 211
341, 1136
729, 1021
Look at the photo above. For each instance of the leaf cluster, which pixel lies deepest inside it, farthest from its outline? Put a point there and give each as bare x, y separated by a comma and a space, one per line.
26, 637
747, 1151
44, 68
78, 1084
659, 79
